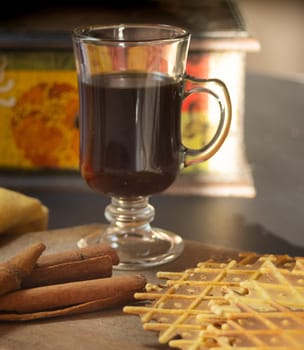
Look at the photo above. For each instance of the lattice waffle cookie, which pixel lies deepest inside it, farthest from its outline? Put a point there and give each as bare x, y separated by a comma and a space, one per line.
255, 303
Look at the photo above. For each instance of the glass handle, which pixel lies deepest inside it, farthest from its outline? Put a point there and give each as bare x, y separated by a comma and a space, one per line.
194, 156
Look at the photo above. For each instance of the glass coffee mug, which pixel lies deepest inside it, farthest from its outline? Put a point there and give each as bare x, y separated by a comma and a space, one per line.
132, 84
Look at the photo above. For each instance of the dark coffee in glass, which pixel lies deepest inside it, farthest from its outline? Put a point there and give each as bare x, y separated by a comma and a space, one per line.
130, 143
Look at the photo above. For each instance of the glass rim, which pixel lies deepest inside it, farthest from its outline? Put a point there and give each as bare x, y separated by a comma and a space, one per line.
85, 33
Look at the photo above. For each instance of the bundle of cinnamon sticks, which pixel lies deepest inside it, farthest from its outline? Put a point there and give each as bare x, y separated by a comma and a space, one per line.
34, 286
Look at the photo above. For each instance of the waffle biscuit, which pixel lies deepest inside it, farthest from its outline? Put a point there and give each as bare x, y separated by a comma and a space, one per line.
255, 303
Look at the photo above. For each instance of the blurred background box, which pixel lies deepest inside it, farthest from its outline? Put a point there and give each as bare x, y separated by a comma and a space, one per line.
38, 86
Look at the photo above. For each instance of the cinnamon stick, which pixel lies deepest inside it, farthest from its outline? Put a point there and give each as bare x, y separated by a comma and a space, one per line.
103, 293
78, 255
73, 265
96, 267
14, 270
90, 306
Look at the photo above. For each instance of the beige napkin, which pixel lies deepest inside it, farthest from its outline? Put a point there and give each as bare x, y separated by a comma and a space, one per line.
20, 213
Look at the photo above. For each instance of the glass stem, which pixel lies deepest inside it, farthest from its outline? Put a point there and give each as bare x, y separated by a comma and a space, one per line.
130, 216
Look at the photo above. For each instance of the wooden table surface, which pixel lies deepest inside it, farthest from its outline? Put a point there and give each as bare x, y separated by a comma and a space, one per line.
106, 329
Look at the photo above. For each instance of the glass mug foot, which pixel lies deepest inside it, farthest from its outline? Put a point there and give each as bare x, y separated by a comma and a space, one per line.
138, 245
137, 252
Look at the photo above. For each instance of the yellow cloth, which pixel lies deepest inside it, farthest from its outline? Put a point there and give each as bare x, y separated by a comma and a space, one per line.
20, 213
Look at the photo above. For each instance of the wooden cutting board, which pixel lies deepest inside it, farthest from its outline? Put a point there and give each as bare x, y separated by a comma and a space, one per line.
102, 330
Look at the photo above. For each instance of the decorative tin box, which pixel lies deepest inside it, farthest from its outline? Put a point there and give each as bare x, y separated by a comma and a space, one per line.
38, 87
